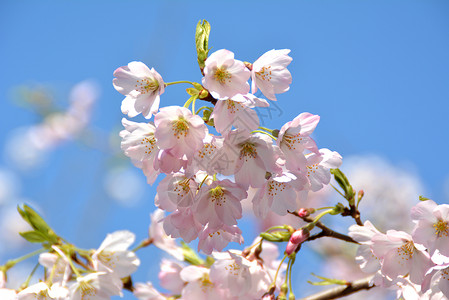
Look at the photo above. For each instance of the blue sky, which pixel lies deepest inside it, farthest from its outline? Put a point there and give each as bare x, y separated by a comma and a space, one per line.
375, 71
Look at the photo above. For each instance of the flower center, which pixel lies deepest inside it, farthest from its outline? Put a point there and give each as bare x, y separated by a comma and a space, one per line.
441, 228
206, 283
274, 187
221, 75
149, 142
147, 85
233, 269
218, 195
264, 73
180, 127
248, 151
291, 140
87, 290
233, 106
406, 250
311, 169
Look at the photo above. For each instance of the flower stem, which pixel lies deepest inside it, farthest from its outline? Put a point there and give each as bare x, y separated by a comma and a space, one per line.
264, 132
202, 108
11, 263
27, 281
277, 271
143, 244
177, 82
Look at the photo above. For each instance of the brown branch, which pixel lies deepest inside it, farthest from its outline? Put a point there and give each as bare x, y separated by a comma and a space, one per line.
325, 231
344, 290
354, 213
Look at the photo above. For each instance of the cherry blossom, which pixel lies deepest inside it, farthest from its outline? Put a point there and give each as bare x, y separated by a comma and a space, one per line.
39, 290
231, 272
225, 76
318, 167
182, 223
432, 226
160, 239
211, 238
365, 257
142, 88
174, 191
294, 138
219, 203
278, 194
113, 254
400, 256
95, 286
179, 131
146, 291
269, 73
228, 113
170, 277
139, 144
199, 286
297, 238
250, 157
8, 294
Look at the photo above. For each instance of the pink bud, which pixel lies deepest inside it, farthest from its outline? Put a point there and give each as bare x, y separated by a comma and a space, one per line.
298, 237
303, 212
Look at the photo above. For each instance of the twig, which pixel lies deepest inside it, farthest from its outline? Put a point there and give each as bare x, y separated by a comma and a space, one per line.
341, 291
325, 231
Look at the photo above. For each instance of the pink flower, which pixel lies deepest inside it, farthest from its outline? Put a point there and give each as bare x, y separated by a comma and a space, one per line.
113, 254
142, 88
269, 73
174, 191
318, 167
432, 226
160, 239
182, 223
179, 131
139, 144
400, 256
277, 194
437, 279
217, 238
228, 113
294, 138
231, 272
250, 158
169, 276
208, 158
224, 76
220, 204
146, 291
199, 286
365, 257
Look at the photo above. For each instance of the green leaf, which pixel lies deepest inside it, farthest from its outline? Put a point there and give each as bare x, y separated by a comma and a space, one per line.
38, 223
343, 182
33, 236
190, 255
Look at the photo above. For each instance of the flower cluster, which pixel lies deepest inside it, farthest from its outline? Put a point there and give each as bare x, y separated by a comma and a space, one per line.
417, 264
99, 278
207, 174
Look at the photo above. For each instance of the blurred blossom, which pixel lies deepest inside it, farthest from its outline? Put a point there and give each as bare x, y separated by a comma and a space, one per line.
390, 191
124, 185
27, 147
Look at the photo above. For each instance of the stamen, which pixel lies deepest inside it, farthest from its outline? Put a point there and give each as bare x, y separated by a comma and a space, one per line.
441, 228
180, 127
222, 75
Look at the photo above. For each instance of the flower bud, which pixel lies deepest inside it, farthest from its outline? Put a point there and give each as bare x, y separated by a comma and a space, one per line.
305, 212
298, 237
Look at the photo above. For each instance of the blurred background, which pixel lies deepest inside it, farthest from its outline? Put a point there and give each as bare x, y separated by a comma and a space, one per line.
375, 71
